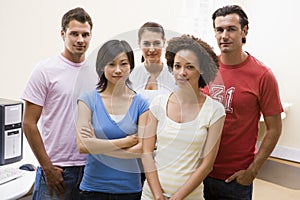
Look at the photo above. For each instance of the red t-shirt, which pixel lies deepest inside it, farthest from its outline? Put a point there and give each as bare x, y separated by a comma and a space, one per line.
246, 90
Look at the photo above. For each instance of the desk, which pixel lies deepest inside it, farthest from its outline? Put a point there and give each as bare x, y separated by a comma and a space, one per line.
21, 186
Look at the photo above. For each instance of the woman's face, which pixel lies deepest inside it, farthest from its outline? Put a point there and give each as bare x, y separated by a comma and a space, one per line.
151, 44
186, 68
118, 69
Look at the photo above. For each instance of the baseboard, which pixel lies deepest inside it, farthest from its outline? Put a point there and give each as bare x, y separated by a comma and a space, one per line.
286, 153
279, 173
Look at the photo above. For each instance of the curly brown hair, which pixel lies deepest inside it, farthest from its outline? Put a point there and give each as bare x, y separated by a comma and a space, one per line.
208, 60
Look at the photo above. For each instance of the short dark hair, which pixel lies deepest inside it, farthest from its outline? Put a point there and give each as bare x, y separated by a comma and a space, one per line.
78, 14
107, 53
153, 27
207, 58
232, 9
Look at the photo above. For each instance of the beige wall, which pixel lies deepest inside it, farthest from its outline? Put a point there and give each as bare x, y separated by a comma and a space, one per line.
30, 32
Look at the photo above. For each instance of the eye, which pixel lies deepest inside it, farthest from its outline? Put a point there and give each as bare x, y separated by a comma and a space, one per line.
176, 66
157, 44
85, 35
111, 64
219, 30
231, 29
124, 63
75, 34
146, 44
190, 67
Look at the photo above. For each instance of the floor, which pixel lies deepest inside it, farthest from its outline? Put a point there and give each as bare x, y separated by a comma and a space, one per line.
277, 180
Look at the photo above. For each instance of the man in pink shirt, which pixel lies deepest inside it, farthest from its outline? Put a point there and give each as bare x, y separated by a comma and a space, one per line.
50, 111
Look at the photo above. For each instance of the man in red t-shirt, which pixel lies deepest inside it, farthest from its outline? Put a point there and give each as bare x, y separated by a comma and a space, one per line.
247, 88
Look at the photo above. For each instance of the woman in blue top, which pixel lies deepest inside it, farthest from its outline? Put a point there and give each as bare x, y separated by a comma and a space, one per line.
110, 126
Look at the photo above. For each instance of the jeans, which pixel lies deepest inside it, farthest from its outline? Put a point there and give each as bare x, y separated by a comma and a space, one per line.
85, 195
72, 177
215, 189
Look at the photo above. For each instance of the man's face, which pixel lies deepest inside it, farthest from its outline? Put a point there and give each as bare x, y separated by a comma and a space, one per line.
77, 39
229, 33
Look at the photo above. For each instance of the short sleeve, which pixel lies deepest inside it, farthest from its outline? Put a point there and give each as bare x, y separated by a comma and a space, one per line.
143, 104
36, 88
88, 99
269, 98
157, 106
218, 111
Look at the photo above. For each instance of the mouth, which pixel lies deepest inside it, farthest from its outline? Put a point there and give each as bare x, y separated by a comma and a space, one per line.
182, 80
79, 47
117, 77
225, 44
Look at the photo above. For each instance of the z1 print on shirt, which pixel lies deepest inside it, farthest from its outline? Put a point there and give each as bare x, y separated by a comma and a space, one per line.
219, 93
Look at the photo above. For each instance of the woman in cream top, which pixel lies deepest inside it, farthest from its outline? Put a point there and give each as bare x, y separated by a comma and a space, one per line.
185, 125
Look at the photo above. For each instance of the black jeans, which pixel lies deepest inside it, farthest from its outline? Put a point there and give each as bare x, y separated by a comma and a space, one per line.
215, 189
84, 195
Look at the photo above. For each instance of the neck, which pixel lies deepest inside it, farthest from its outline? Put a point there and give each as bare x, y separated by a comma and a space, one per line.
189, 96
233, 58
116, 90
153, 68
73, 57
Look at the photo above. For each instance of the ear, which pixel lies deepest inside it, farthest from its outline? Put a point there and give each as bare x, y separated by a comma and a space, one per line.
245, 31
164, 41
62, 34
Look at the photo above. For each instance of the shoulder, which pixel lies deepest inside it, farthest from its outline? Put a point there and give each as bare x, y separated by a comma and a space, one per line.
255, 62
215, 105
88, 96
160, 99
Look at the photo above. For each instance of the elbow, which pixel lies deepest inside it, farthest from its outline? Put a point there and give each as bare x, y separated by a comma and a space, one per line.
139, 150
82, 149
210, 169
26, 127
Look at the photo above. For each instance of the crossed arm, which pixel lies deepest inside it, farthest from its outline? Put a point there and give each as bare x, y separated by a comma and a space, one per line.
87, 143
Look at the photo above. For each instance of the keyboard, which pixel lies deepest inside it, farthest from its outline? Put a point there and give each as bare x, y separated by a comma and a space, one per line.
8, 173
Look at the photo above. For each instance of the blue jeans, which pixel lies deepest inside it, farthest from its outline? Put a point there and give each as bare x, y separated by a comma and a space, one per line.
215, 189
72, 177
84, 195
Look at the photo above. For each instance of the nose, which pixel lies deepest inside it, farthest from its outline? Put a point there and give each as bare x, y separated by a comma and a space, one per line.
151, 48
225, 34
80, 38
182, 71
118, 69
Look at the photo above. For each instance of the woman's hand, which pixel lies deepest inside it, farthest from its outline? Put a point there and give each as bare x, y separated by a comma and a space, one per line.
88, 132
131, 140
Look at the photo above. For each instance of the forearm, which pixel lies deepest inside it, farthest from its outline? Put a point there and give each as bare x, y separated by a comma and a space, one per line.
152, 176
267, 146
99, 146
127, 153
37, 146
194, 180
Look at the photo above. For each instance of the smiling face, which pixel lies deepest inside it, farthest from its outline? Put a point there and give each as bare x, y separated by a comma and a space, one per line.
151, 44
118, 70
76, 38
229, 33
186, 69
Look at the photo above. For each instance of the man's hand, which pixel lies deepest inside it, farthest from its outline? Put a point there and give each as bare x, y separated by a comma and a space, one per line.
54, 180
243, 177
